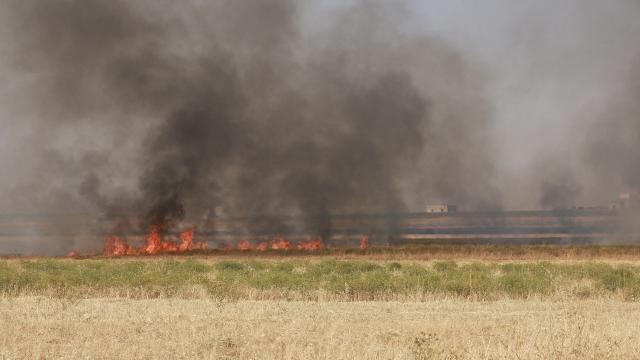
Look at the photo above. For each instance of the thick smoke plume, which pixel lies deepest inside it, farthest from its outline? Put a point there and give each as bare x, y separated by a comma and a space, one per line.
614, 140
171, 112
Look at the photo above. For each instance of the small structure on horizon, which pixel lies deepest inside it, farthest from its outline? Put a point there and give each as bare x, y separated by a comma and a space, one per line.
441, 208
625, 201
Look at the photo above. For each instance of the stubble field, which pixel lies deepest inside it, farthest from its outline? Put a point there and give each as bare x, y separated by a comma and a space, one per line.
490, 304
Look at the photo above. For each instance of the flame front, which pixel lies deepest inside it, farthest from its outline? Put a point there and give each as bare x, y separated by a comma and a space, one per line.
317, 244
244, 245
154, 241
280, 243
118, 246
364, 242
186, 240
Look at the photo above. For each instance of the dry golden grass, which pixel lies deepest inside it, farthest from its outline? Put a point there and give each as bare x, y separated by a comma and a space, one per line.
38, 327
291, 308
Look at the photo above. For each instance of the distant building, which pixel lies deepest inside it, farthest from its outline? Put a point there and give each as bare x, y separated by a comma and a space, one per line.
441, 208
625, 201
589, 208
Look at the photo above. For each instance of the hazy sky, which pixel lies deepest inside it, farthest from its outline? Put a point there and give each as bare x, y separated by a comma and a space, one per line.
552, 63
552, 69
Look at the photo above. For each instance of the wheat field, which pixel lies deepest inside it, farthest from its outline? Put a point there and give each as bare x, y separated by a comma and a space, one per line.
312, 308
39, 327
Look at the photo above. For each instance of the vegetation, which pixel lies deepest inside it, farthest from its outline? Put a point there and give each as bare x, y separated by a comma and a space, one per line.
317, 307
306, 279
447, 328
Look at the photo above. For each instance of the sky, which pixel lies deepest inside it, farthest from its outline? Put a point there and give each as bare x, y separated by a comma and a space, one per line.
552, 64
552, 69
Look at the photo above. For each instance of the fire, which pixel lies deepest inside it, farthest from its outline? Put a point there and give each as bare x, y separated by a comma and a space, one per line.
317, 244
157, 244
154, 241
280, 244
364, 242
186, 240
244, 245
118, 246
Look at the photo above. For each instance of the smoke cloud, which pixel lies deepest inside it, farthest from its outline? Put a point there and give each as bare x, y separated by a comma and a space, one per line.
172, 112
613, 141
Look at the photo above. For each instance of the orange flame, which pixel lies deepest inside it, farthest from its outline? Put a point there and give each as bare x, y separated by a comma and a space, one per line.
364, 242
117, 246
186, 240
311, 245
244, 245
154, 241
280, 244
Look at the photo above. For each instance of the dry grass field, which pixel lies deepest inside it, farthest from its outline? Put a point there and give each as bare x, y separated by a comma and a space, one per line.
38, 327
372, 306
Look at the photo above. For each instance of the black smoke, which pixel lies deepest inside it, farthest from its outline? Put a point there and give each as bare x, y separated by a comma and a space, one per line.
611, 149
238, 108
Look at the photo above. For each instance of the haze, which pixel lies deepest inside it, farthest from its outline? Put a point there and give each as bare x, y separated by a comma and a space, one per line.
521, 105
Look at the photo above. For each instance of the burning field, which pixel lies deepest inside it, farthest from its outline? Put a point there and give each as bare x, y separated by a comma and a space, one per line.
156, 244
284, 179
